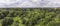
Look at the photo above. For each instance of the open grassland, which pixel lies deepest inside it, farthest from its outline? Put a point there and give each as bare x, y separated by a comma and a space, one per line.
30, 17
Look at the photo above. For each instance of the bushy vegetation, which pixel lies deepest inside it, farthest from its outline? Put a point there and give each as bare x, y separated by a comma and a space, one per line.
30, 17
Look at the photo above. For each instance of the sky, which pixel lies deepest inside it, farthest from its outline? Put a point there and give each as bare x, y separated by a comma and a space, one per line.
29, 3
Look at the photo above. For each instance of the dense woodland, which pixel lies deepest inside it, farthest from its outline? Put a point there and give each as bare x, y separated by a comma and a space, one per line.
30, 17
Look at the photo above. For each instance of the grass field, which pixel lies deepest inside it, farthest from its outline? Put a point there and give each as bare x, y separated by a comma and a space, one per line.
30, 17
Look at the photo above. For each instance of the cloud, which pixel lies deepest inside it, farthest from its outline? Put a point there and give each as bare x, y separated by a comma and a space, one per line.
29, 3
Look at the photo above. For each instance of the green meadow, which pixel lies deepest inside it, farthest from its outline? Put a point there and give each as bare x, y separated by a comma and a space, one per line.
30, 17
